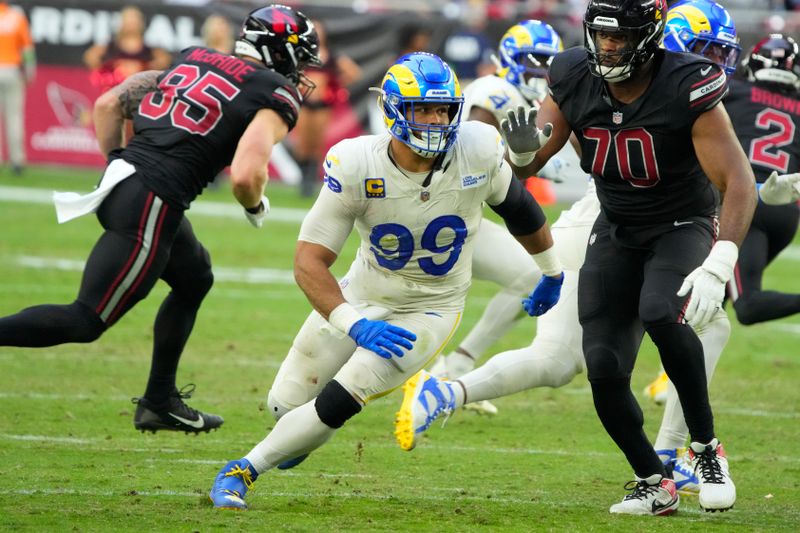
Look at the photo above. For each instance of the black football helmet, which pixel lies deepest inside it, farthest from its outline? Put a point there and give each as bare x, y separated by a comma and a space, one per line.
774, 60
642, 23
283, 39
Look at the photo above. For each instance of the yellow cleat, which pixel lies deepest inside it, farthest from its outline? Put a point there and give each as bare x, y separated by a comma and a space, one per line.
657, 390
425, 398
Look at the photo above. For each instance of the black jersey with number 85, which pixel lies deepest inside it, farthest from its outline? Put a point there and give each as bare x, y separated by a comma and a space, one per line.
187, 131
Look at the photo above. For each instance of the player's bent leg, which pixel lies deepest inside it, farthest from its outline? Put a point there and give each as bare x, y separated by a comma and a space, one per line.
49, 325
552, 360
317, 353
364, 377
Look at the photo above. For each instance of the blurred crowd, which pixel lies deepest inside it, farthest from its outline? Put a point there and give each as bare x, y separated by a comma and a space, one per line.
360, 38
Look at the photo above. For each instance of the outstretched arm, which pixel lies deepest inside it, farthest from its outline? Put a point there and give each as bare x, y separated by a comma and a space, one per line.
548, 114
118, 104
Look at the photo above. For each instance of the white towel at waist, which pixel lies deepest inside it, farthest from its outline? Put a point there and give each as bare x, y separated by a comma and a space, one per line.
71, 205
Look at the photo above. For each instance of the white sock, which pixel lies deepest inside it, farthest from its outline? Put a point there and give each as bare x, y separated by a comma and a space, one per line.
543, 364
297, 432
674, 432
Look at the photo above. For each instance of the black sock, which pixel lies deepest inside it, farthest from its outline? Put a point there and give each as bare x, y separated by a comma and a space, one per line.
683, 360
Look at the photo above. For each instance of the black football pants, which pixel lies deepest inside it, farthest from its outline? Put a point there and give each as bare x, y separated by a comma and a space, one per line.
628, 285
144, 240
772, 230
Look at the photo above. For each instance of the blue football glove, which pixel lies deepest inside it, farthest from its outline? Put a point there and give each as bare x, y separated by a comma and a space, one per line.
544, 296
381, 337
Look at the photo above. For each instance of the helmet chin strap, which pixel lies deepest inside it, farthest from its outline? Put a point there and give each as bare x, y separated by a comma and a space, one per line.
614, 74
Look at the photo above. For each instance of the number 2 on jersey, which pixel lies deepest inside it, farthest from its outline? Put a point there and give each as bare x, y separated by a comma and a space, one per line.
204, 93
759, 148
396, 257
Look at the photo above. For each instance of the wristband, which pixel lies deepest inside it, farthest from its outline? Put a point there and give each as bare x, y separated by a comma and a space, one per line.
548, 262
343, 317
520, 160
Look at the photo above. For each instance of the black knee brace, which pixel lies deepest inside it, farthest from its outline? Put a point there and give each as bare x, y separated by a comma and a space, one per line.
335, 405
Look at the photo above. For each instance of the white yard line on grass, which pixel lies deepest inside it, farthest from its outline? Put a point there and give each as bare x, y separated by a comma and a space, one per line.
30, 195
221, 274
99, 445
788, 328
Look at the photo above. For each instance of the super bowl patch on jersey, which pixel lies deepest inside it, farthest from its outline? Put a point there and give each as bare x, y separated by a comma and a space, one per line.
468, 182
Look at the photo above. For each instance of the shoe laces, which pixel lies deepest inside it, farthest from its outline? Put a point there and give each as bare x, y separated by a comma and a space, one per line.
245, 475
184, 394
710, 469
639, 490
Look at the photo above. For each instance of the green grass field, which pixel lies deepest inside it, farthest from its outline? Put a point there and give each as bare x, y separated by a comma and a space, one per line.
70, 459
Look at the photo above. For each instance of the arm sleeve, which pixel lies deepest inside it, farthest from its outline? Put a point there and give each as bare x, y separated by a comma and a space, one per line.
328, 223
520, 211
332, 216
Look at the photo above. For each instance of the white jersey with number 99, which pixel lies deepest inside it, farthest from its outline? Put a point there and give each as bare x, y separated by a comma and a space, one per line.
416, 242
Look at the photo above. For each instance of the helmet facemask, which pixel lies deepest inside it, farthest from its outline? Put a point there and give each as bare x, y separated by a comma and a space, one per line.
414, 85
525, 53
617, 66
425, 139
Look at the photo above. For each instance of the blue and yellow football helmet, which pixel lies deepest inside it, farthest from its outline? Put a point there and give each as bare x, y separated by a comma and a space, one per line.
526, 51
705, 28
418, 79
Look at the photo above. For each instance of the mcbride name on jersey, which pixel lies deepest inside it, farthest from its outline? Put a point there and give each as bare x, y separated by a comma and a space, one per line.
766, 123
416, 242
641, 154
187, 131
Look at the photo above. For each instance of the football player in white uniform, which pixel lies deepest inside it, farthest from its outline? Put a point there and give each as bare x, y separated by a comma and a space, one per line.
525, 51
415, 196
555, 356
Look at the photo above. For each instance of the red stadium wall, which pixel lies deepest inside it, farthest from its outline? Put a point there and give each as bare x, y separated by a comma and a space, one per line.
58, 110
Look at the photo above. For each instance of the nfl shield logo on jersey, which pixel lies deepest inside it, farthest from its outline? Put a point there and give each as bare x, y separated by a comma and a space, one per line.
616, 117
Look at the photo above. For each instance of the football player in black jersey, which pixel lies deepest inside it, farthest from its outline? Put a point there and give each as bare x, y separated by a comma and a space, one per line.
661, 150
765, 111
207, 111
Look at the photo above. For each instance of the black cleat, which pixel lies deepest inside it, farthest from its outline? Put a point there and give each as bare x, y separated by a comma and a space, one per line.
173, 415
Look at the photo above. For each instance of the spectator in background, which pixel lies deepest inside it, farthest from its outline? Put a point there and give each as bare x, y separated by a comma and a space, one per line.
218, 34
468, 50
332, 78
414, 36
125, 55
17, 67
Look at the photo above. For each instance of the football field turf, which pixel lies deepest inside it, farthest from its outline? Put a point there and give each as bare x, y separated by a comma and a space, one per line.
70, 459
